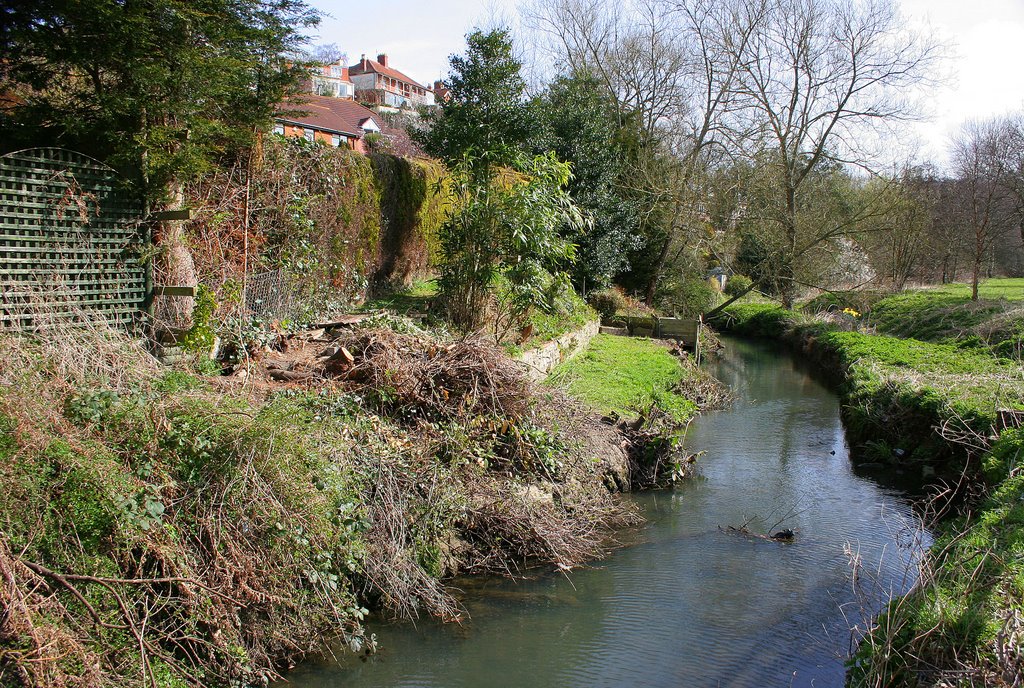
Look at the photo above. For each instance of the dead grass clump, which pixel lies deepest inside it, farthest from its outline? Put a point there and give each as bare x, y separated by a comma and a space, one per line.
703, 388
509, 526
80, 347
436, 380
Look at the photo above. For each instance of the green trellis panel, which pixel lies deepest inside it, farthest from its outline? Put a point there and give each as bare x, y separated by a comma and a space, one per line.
72, 239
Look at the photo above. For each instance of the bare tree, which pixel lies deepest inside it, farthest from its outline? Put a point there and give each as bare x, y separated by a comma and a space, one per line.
326, 54
819, 79
896, 238
671, 67
982, 157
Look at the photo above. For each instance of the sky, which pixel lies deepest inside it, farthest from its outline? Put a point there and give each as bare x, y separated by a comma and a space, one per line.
985, 37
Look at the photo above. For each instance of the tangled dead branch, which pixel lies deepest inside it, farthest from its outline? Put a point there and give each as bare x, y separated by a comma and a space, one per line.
421, 375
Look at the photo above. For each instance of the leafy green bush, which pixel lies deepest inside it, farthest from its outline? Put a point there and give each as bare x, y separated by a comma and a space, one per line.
690, 298
738, 284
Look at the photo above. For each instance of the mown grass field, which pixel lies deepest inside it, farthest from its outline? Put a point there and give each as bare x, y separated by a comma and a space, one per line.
623, 374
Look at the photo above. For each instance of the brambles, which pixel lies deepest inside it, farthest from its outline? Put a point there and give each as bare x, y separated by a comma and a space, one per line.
160, 529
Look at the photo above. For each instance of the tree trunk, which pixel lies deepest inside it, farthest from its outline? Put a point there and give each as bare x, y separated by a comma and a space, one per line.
787, 272
659, 267
718, 309
975, 276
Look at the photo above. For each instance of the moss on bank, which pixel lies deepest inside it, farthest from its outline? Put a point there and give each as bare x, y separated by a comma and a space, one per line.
938, 407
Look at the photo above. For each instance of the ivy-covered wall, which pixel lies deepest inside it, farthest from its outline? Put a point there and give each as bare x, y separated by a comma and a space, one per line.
414, 202
344, 224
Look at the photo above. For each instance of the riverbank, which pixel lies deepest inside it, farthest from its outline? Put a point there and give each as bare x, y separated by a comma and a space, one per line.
160, 528
940, 411
650, 390
750, 611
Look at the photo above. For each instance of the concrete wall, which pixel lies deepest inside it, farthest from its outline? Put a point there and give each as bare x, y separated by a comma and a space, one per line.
541, 361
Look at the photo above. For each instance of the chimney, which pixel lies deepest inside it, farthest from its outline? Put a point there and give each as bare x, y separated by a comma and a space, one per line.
362, 62
438, 85
383, 59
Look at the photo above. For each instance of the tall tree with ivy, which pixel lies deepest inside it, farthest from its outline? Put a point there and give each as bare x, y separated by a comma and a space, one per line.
502, 245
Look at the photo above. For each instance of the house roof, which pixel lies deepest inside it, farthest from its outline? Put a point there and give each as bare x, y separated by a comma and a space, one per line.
326, 113
366, 66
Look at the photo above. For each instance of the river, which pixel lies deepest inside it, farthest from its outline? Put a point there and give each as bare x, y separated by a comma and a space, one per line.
685, 602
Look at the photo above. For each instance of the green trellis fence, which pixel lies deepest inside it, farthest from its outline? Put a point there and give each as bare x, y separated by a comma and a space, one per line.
72, 240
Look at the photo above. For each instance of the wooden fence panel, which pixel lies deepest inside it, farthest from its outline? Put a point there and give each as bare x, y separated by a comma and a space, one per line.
72, 239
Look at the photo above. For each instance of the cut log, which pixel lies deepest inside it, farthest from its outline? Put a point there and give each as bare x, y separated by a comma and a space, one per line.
290, 375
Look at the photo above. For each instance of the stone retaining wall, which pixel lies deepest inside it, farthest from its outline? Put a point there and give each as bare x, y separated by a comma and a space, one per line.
541, 361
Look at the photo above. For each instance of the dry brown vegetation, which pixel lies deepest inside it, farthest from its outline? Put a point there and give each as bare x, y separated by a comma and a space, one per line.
156, 529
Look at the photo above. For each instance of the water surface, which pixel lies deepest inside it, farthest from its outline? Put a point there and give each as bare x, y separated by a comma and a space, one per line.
688, 603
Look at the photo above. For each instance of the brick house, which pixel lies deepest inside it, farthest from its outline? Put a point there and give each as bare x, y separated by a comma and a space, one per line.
332, 120
332, 80
378, 84
441, 92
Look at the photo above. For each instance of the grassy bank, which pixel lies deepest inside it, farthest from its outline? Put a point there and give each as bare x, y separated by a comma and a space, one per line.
993, 324
919, 404
159, 529
655, 391
938, 409
622, 375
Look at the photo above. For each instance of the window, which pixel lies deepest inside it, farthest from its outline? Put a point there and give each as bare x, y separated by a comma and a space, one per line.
309, 134
336, 71
279, 129
337, 141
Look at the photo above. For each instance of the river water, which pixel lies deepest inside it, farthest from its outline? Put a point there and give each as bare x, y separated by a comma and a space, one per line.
686, 602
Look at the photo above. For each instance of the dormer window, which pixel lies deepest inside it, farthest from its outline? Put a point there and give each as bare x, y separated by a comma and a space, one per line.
368, 125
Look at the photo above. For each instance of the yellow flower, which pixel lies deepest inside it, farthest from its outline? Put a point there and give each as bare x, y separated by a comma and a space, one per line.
851, 312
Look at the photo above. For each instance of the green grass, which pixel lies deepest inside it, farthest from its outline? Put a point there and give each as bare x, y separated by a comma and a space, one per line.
416, 298
994, 323
1011, 288
621, 374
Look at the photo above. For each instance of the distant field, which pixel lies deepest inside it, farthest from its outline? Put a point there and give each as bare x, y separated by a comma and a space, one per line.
997, 288
946, 314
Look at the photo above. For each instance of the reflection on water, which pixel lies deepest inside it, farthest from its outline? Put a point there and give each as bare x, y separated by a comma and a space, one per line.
689, 604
